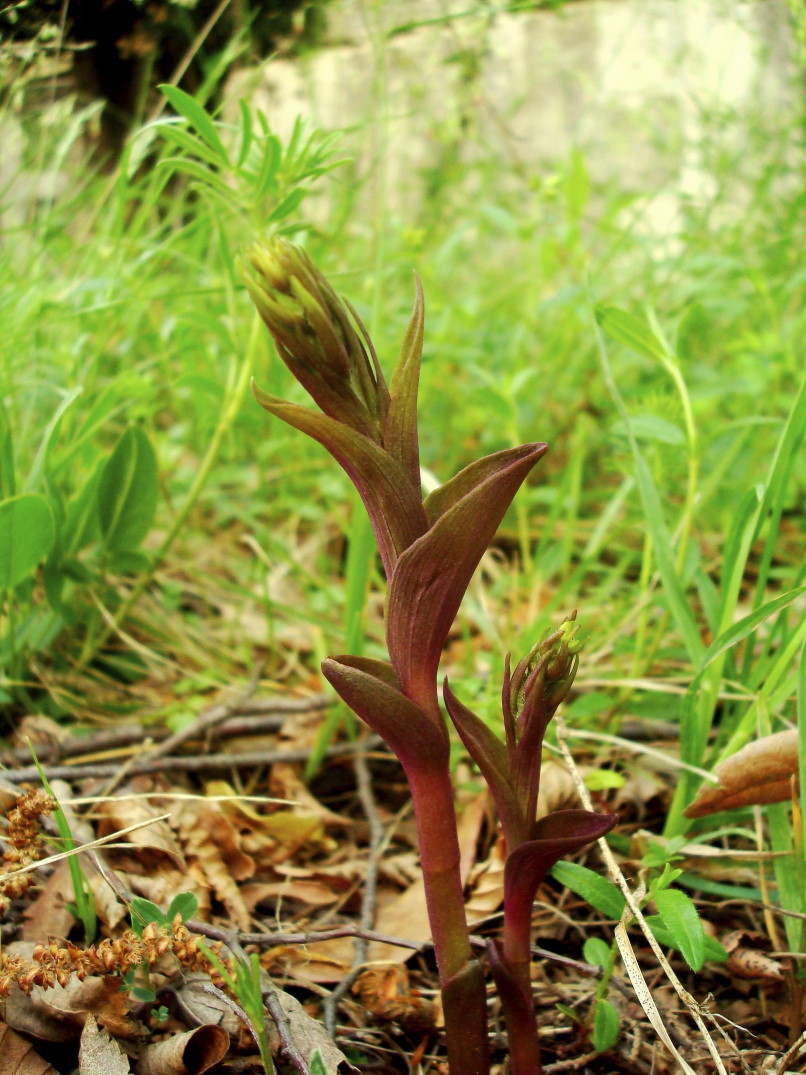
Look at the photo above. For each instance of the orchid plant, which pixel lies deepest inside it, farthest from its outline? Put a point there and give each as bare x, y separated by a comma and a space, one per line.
430, 548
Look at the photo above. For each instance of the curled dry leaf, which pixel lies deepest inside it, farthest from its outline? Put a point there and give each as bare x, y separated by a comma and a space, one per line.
746, 958
185, 1054
18, 1056
757, 774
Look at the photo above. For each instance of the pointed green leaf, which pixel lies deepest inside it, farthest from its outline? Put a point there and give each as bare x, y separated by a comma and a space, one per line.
127, 491
400, 429
714, 952
27, 534
418, 740
431, 577
631, 331
684, 925
591, 887
394, 507
196, 116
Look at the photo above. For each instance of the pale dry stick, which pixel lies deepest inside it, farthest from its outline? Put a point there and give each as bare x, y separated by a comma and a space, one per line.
791, 1055
192, 764
630, 962
663, 686
369, 889
83, 847
641, 748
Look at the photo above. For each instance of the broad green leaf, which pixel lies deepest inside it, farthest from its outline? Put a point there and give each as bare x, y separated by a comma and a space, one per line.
185, 905
683, 923
593, 888
127, 491
631, 331
605, 1026
597, 952
144, 911
651, 427
196, 116
27, 534
713, 949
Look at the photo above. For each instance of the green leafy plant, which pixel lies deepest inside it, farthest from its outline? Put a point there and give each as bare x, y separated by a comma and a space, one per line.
80, 484
142, 912
429, 549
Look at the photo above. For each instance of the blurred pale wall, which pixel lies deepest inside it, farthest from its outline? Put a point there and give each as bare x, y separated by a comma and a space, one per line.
648, 90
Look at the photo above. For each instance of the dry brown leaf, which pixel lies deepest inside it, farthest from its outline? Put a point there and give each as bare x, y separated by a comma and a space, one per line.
18, 1056
386, 994
308, 1034
213, 844
185, 1054
204, 1007
323, 962
155, 845
746, 958
48, 916
59, 1013
486, 886
759, 773
98, 1054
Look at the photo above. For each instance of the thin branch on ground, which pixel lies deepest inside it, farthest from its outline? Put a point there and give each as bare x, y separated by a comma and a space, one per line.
192, 764
368, 892
251, 717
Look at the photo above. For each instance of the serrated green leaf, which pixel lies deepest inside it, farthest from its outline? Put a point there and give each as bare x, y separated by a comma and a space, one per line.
683, 923
631, 331
185, 905
713, 949
27, 533
605, 1026
127, 492
596, 890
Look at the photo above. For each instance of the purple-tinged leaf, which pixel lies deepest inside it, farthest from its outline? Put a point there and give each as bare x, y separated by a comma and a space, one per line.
553, 837
431, 577
419, 741
489, 753
445, 496
394, 507
400, 436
